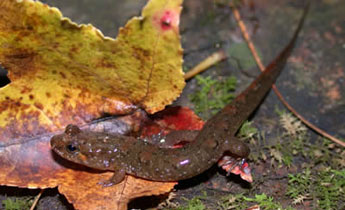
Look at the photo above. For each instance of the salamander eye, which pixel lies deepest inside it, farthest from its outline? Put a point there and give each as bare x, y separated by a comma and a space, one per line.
71, 148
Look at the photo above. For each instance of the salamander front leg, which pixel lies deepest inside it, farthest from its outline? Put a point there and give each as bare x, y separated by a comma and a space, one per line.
117, 177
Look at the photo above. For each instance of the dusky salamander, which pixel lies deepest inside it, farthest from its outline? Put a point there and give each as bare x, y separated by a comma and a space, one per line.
128, 155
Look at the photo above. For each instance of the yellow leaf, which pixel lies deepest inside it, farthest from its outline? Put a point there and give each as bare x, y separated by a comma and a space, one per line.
65, 73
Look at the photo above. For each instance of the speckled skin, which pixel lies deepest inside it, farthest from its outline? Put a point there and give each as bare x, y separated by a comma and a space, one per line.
128, 155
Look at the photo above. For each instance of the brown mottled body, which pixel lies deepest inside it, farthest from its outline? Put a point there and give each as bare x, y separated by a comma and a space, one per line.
128, 155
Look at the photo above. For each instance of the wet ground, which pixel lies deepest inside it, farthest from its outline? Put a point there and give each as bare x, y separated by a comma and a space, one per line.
313, 81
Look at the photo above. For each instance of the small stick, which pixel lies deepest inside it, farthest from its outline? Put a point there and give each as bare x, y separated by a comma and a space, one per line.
34, 204
281, 98
205, 64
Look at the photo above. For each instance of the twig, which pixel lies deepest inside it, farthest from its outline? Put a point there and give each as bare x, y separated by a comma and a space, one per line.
281, 98
34, 204
205, 64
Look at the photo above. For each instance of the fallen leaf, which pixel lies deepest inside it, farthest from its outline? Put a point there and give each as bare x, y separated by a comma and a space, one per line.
65, 73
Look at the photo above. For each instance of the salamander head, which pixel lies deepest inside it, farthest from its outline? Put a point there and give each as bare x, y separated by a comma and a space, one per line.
82, 147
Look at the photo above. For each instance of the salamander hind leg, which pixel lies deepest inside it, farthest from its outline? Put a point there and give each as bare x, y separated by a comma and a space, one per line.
118, 176
236, 148
234, 159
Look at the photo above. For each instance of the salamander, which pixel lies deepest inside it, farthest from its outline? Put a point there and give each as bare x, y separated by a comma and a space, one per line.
128, 155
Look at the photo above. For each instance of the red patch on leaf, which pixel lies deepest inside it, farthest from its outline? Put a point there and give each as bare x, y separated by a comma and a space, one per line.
172, 118
167, 20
